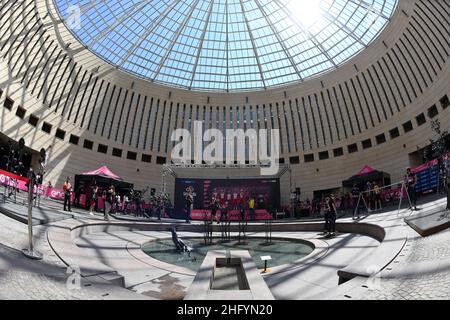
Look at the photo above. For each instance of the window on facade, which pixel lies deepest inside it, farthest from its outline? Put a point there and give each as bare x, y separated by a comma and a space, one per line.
60, 134
146, 158
324, 155
433, 111
394, 133
381, 138
338, 152
160, 160
131, 155
117, 152
309, 157
102, 148
353, 148
21, 112
46, 127
294, 160
33, 120
444, 102
407, 126
420, 119
74, 139
88, 144
367, 144
9, 103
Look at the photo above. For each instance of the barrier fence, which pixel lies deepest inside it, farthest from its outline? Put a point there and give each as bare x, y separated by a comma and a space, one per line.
387, 197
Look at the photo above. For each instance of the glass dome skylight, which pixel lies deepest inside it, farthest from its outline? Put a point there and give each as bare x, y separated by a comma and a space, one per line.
226, 45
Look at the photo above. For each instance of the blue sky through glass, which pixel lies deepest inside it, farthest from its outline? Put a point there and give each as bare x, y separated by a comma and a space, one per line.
227, 45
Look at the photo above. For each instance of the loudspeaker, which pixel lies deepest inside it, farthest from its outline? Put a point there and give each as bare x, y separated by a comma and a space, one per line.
42, 154
152, 191
21, 143
297, 191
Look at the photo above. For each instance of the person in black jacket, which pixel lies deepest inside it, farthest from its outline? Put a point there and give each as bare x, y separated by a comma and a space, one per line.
411, 181
189, 198
355, 198
332, 216
326, 214
67, 188
110, 195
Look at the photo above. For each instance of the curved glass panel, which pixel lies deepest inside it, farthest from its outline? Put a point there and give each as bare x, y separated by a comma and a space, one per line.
226, 45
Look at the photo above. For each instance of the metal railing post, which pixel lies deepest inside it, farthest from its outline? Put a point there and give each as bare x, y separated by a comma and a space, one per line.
30, 252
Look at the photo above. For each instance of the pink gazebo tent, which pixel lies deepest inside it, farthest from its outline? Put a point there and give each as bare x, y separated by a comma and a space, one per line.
103, 177
367, 173
365, 170
103, 172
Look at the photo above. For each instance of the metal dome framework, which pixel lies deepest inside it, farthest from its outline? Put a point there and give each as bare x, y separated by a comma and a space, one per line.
226, 45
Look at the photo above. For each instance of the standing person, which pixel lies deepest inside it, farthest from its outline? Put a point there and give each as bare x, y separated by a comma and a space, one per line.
355, 197
224, 211
78, 193
189, 198
411, 181
159, 207
126, 200
377, 195
369, 196
48, 191
308, 207
251, 207
332, 216
326, 211
241, 206
117, 203
214, 208
137, 203
261, 204
93, 200
113, 199
318, 207
108, 202
67, 193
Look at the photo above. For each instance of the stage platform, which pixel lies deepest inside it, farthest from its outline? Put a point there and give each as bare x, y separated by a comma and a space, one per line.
431, 220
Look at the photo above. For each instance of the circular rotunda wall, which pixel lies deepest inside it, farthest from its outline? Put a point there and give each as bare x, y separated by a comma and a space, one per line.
331, 125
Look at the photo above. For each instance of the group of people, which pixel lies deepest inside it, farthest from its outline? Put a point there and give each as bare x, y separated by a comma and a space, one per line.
243, 205
241, 202
14, 158
108, 195
130, 202
133, 203
114, 202
371, 196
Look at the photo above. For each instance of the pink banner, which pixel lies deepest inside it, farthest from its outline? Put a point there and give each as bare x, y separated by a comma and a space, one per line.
393, 194
15, 181
56, 194
425, 166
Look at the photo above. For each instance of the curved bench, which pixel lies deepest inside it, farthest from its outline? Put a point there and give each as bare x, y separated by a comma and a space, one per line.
391, 244
60, 239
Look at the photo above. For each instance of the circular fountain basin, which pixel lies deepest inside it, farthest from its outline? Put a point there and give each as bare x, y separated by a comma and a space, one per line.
282, 251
